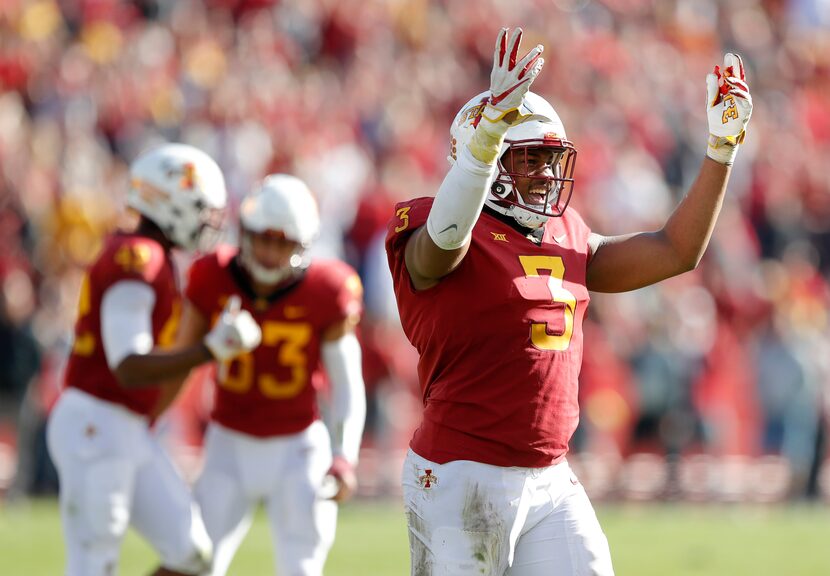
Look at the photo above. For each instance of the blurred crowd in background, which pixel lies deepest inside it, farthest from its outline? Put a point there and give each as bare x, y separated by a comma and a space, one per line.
715, 385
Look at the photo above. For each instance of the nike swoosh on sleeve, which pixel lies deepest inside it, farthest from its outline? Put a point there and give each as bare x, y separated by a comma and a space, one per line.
450, 227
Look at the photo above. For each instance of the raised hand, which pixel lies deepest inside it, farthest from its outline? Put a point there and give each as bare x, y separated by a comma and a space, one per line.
235, 333
511, 79
728, 108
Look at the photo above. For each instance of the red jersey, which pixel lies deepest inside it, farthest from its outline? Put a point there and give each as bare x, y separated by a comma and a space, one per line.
499, 339
125, 257
272, 390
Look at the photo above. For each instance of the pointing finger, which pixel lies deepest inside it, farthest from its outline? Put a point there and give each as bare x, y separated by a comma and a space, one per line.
234, 305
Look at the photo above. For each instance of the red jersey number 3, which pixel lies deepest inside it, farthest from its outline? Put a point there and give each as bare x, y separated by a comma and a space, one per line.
541, 334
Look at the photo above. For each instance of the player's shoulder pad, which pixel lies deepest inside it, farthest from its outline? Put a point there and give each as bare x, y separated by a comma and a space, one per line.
573, 215
335, 276
408, 216
208, 265
578, 229
131, 256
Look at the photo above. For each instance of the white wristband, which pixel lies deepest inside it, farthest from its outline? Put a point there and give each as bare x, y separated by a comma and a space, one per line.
488, 137
721, 150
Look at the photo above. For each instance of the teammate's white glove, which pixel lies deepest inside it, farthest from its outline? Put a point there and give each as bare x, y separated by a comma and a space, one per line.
510, 80
235, 333
729, 107
340, 482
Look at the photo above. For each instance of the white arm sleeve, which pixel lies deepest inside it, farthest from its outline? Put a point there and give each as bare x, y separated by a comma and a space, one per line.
127, 320
459, 201
342, 360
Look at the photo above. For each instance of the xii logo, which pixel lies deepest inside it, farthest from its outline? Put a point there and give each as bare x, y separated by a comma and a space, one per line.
501, 237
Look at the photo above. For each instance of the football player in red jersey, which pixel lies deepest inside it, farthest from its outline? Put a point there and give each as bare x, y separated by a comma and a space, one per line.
266, 442
492, 279
113, 471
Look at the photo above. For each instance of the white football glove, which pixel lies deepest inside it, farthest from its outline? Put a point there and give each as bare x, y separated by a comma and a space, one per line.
510, 80
728, 107
235, 333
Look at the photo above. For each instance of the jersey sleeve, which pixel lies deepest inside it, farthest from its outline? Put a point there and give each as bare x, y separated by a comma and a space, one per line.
582, 232
198, 290
138, 259
408, 217
127, 320
344, 292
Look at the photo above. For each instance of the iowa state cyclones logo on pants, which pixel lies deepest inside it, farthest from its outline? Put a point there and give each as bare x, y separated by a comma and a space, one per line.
427, 479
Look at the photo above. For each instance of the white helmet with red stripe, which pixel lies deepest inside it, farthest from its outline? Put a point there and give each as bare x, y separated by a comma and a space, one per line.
541, 128
282, 205
182, 191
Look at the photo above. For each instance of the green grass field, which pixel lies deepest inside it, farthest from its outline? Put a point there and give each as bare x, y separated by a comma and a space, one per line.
646, 540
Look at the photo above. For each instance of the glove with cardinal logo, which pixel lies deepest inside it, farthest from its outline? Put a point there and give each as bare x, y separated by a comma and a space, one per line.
728, 108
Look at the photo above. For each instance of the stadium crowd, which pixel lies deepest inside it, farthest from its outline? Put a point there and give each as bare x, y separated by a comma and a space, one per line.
728, 363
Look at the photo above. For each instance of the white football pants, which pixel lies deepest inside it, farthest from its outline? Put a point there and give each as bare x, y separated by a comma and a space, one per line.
466, 518
113, 472
285, 473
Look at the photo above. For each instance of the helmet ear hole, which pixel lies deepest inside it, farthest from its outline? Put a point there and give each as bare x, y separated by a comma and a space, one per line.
498, 189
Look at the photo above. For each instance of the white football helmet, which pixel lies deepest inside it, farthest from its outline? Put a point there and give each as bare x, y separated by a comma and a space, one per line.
280, 204
182, 191
540, 128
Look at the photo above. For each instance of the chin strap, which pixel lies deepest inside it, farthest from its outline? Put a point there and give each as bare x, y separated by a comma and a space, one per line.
528, 219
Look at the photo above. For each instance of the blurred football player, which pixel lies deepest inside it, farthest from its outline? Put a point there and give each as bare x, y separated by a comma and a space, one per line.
113, 471
266, 442
492, 279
